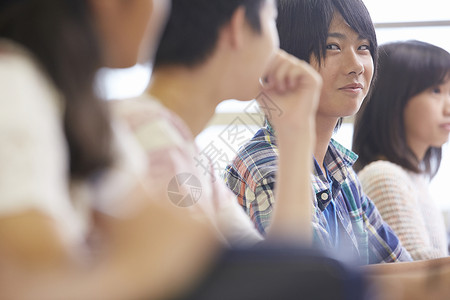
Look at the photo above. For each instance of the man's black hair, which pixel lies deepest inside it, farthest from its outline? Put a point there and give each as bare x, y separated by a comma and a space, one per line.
193, 28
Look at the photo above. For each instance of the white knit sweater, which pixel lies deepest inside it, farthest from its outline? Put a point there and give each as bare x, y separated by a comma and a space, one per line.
405, 203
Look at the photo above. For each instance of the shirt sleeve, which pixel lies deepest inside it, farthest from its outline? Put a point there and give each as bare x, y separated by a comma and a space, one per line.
384, 245
260, 201
395, 199
251, 177
233, 220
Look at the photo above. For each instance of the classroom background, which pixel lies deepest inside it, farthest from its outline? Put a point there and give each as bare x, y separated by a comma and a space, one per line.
236, 121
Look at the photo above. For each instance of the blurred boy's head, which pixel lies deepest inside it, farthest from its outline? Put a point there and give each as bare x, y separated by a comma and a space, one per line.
235, 39
194, 26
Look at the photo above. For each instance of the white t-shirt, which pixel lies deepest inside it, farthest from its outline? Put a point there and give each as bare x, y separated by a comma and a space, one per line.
34, 172
180, 174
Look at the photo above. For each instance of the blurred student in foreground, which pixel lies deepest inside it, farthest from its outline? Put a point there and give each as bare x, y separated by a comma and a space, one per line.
72, 205
210, 53
398, 135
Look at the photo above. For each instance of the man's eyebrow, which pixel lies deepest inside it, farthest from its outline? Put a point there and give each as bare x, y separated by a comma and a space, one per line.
343, 36
337, 35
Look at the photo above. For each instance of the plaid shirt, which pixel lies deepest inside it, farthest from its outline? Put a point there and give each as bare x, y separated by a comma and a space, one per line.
362, 231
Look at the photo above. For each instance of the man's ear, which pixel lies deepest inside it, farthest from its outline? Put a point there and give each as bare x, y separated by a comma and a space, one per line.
236, 30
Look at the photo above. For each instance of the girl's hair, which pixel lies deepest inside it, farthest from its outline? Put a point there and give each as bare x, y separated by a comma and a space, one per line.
405, 70
303, 27
60, 35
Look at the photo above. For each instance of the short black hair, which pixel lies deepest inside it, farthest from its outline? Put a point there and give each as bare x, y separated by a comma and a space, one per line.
193, 28
405, 70
303, 27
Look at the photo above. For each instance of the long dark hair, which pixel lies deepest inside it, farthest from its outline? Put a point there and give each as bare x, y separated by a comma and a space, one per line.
405, 70
61, 37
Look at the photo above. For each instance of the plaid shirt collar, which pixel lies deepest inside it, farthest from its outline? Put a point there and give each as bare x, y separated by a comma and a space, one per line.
337, 162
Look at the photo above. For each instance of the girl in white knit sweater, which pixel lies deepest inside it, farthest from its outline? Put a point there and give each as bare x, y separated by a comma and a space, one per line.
398, 136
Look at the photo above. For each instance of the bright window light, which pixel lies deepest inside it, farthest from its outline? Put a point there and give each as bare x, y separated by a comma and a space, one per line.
116, 84
383, 11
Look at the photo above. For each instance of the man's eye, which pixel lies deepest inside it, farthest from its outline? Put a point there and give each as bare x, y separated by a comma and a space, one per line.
364, 47
436, 90
332, 47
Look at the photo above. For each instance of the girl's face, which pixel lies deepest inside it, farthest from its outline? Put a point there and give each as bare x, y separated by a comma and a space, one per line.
427, 118
125, 27
346, 71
